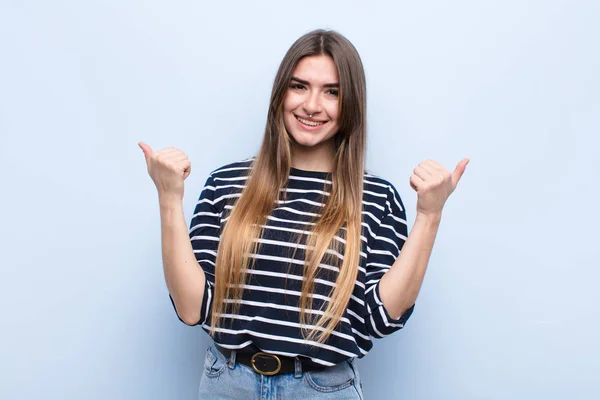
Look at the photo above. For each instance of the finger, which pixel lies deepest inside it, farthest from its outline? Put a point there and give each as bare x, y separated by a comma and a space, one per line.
181, 164
415, 182
459, 171
188, 169
168, 152
178, 157
146, 149
170, 156
422, 173
437, 170
435, 165
431, 170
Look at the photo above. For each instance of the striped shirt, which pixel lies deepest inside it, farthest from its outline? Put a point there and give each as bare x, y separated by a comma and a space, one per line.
269, 315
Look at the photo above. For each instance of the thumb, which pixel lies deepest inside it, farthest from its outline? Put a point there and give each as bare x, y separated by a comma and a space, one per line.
146, 149
459, 171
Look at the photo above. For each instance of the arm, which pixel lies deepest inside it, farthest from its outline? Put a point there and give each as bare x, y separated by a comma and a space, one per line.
185, 279
185, 257
400, 286
383, 249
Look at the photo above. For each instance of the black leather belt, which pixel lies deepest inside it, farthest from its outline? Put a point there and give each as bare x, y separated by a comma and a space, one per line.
269, 364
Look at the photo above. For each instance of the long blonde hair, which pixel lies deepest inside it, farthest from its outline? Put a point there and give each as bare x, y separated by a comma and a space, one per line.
341, 214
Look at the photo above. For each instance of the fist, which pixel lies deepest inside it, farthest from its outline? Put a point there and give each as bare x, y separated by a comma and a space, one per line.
168, 169
434, 184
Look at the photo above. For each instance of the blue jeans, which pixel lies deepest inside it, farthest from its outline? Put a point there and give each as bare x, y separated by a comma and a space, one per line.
230, 380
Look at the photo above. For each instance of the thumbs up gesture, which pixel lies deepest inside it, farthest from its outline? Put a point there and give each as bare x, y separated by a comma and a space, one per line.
168, 169
434, 184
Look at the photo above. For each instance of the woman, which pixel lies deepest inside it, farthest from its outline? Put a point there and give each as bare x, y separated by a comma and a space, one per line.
299, 247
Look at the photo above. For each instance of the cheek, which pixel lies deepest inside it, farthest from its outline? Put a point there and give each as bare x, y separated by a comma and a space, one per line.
333, 111
286, 104
290, 102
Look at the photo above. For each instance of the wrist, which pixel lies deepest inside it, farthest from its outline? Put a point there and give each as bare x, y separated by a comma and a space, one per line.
167, 200
431, 218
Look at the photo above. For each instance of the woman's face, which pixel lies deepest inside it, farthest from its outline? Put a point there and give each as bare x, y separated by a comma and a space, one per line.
313, 90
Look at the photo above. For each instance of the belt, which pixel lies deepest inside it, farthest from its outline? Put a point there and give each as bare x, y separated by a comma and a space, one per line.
269, 364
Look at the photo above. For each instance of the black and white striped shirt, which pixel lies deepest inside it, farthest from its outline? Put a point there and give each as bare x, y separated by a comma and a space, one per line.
269, 314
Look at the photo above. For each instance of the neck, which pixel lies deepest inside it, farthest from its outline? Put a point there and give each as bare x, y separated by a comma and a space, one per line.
315, 158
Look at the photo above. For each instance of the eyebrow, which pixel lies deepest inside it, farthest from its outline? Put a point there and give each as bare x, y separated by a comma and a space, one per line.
327, 85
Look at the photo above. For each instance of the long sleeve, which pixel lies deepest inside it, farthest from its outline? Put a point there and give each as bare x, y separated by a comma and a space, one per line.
204, 235
382, 252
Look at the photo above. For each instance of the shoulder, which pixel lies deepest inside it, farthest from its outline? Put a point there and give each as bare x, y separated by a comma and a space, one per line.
383, 192
226, 180
232, 170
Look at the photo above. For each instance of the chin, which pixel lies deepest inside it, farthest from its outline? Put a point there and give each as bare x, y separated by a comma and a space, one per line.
309, 140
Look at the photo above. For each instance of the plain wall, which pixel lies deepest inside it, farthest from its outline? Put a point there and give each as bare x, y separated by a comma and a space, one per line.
509, 307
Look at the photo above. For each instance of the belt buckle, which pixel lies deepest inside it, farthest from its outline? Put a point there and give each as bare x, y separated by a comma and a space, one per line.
255, 368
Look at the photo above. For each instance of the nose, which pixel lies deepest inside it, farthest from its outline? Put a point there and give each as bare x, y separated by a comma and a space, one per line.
312, 105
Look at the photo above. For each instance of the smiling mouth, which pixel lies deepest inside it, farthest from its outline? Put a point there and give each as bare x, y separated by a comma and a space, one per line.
310, 123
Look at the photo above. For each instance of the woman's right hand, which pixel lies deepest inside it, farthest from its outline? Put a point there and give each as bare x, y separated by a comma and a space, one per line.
168, 169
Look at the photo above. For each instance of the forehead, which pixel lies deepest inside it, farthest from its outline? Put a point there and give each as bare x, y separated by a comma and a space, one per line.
316, 69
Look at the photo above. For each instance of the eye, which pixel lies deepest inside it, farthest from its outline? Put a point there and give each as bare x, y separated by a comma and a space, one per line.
333, 92
297, 86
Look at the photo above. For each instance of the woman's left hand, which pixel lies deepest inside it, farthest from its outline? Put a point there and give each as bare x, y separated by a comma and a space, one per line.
434, 184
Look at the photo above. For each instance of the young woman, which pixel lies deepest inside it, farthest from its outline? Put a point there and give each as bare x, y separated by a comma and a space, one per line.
297, 258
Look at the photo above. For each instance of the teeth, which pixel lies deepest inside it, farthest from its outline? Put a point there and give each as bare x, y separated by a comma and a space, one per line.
309, 123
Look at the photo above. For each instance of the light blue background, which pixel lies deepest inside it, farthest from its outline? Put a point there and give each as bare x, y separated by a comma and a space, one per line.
509, 307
